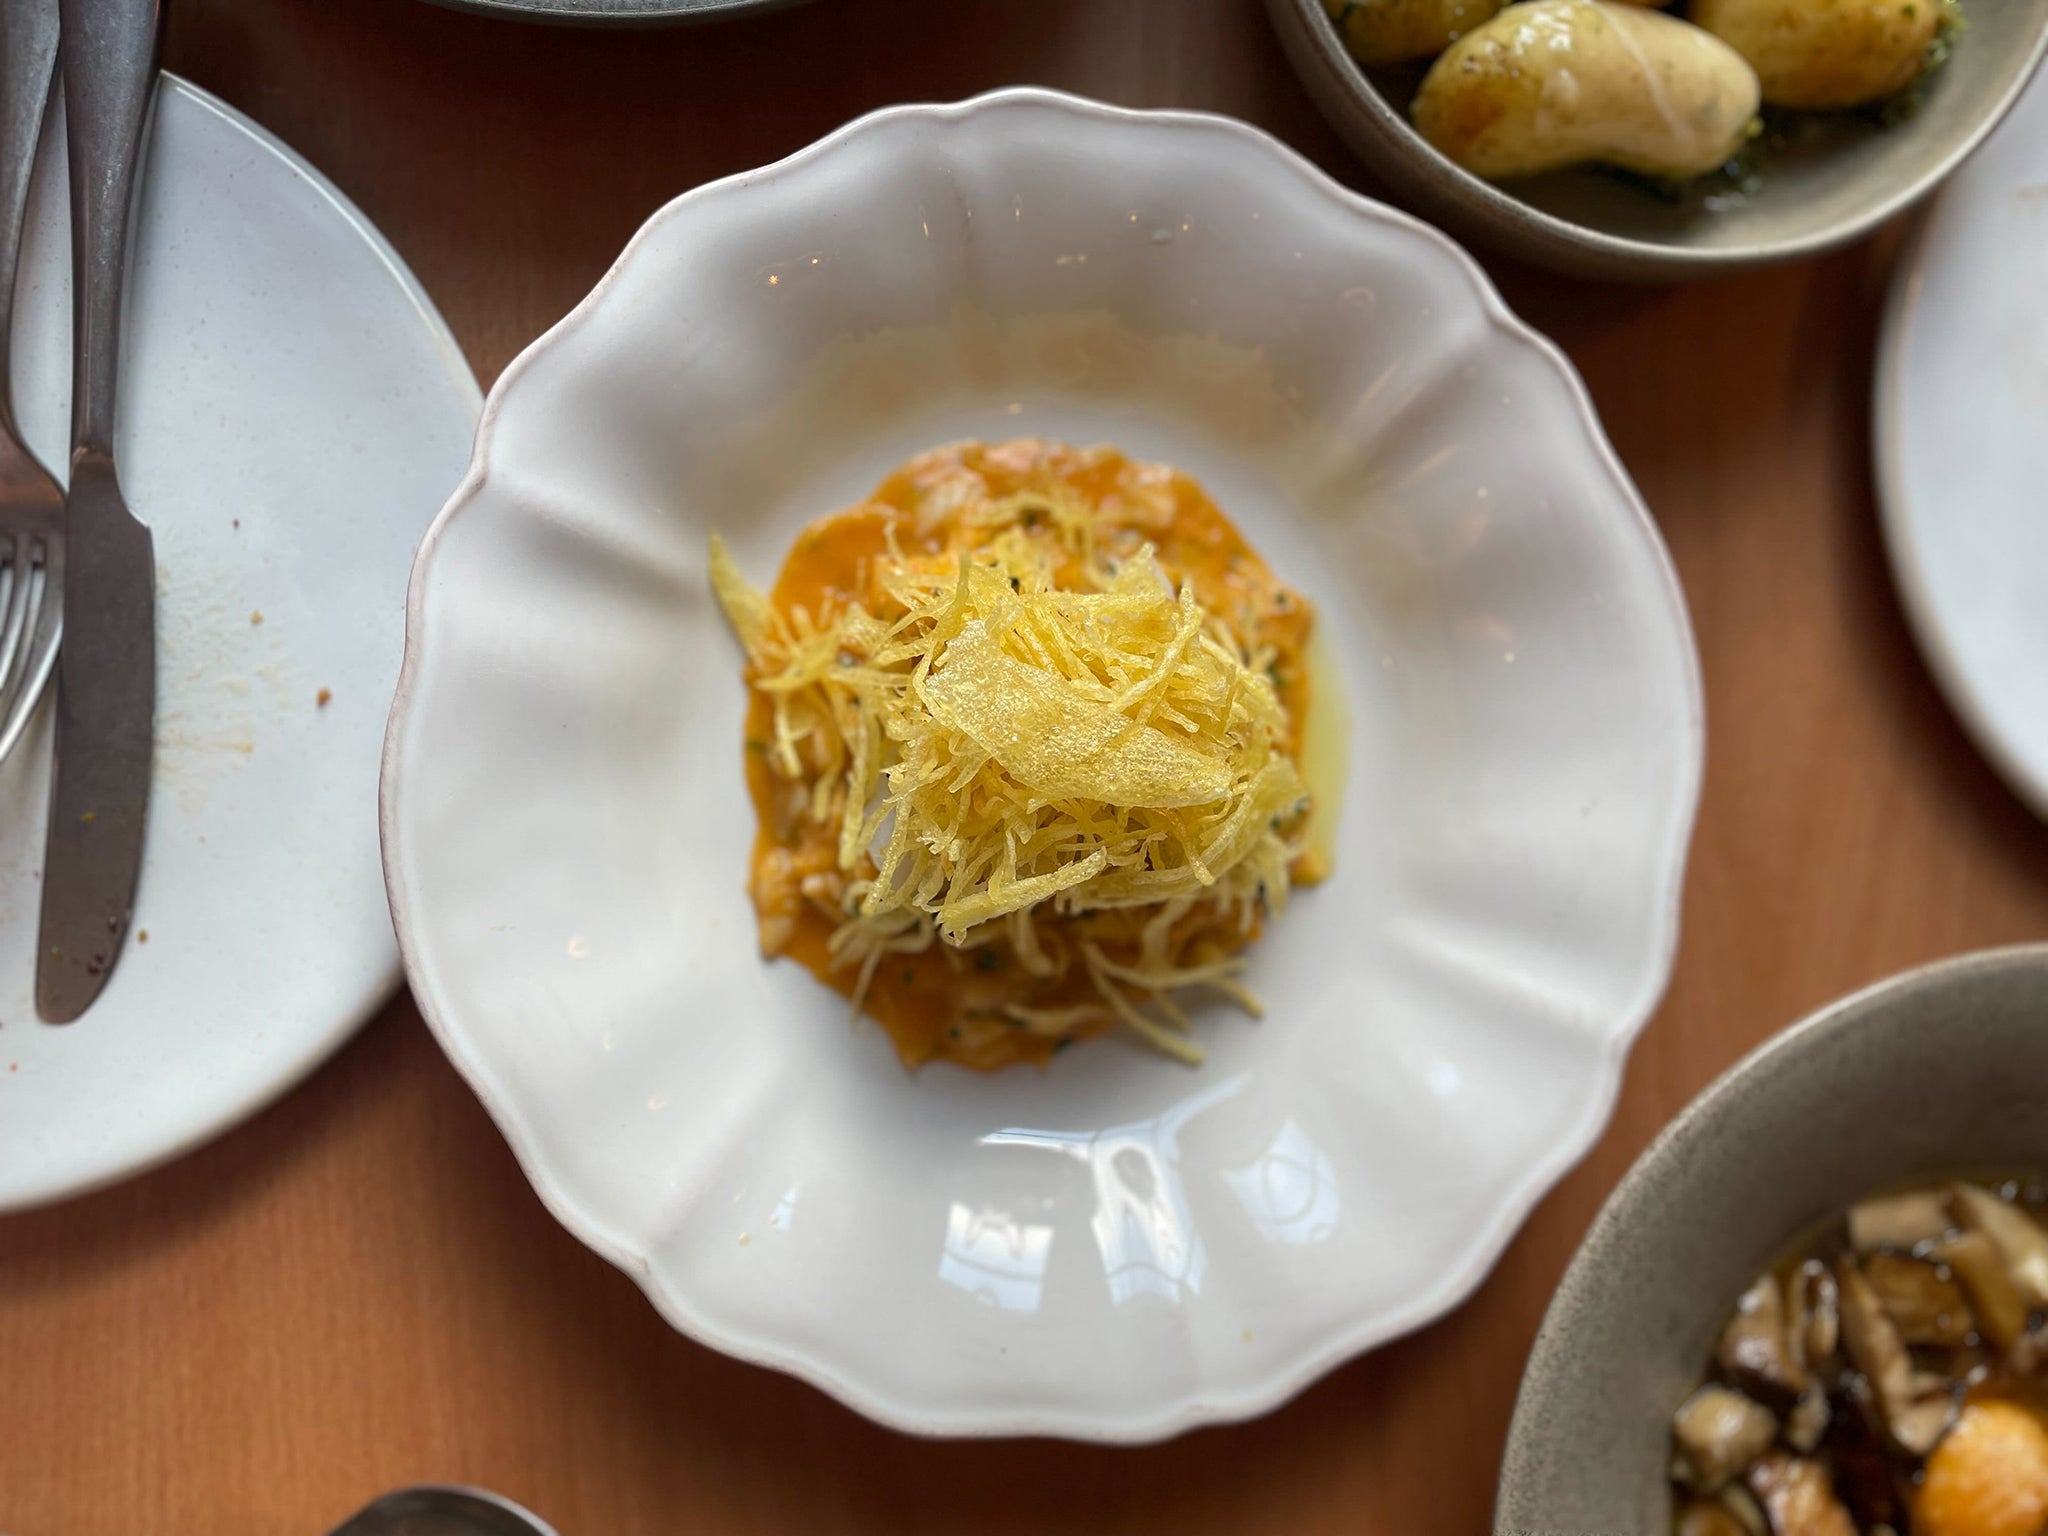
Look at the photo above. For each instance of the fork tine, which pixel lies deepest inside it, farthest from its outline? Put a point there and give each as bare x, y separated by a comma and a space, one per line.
14, 596
42, 631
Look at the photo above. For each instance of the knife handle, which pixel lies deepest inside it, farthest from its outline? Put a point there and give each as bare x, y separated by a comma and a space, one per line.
109, 57
28, 59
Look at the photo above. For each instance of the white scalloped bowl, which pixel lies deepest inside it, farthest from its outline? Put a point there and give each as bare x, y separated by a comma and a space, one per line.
1117, 1247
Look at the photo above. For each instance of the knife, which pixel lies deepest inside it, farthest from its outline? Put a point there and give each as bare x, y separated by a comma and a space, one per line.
106, 671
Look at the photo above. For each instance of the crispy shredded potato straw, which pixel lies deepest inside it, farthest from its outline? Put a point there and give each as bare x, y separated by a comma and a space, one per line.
1013, 733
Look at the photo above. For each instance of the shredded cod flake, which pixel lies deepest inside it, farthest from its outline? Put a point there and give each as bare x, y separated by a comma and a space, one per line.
1005, 749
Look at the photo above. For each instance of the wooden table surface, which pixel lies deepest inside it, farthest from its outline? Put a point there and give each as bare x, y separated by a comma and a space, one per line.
357, 1289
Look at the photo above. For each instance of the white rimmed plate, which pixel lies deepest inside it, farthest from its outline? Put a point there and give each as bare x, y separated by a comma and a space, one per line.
292, 409
1118, 1247
1962, 454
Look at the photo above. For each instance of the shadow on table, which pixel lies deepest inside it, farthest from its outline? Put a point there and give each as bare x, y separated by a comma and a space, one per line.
363, 1268
468, 137
129, 1223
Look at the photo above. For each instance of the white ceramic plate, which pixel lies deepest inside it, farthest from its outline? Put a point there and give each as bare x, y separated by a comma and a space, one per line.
1962, 443
292, 410
1118, 1247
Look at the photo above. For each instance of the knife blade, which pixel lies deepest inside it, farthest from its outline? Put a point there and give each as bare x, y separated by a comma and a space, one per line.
106, 671
106, 708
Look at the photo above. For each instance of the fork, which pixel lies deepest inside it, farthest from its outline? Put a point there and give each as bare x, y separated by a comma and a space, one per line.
31, 503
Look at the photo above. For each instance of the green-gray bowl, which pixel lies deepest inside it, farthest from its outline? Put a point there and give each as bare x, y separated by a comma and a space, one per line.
1843, 179
1938, 1071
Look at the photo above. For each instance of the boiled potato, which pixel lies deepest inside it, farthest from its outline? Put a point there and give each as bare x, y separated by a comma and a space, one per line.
1394, 31
1826, 53
1552, 83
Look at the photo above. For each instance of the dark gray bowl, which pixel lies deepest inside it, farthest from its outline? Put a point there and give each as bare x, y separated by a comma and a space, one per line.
1827, 192
1940, 1070
616, 12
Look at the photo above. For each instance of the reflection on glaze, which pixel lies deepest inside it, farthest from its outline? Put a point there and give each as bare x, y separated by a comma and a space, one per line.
995, 1260
1143, 1229
1290, 1190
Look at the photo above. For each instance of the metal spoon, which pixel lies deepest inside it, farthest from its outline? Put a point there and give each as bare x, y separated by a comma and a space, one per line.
442, 1511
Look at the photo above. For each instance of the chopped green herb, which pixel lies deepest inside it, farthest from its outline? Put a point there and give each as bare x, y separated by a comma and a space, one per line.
1896, 108
1658, 188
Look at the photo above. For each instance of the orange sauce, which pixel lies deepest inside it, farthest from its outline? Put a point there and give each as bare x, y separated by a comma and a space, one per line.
946, 1003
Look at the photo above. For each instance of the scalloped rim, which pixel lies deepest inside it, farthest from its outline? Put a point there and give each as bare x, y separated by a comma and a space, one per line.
1289, 1377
